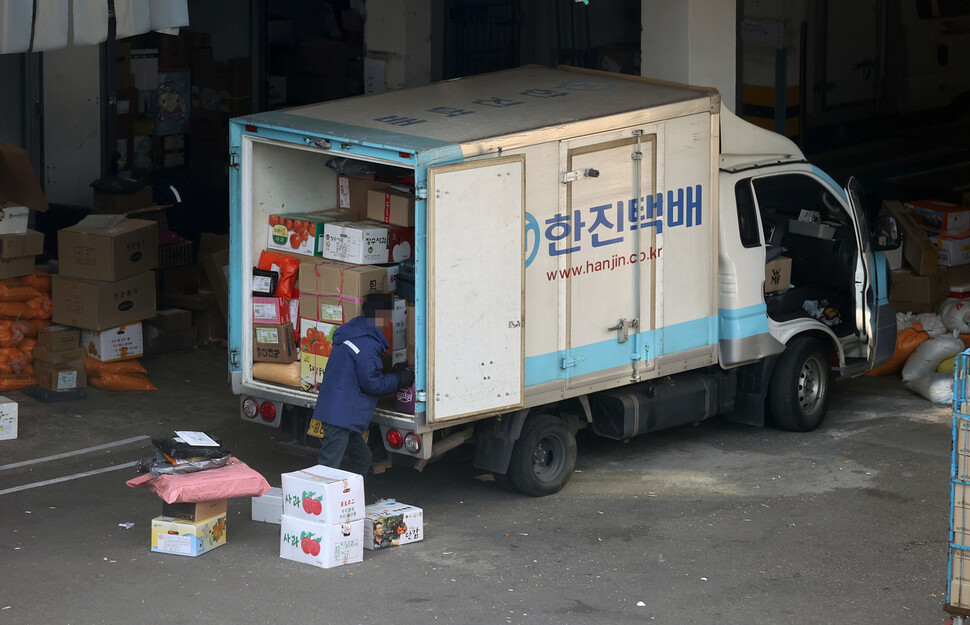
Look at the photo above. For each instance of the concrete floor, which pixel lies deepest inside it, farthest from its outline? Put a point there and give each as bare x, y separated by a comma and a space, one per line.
715, 523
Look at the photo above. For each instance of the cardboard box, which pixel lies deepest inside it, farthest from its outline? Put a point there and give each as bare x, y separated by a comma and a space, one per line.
953, 252
8, 419
107, 248
97, 305
13, 219
121, 343
16, 267
270, 310
159, 342
300, 233
269, 507
19, 184
352, 192
777, 274
323, 495
942, 217
216, 268
195, 512
274, 343
187, 538
312, 367
30, 243
907, 286
64, 376
389, 206
367, 242
58, 357
169, 319
918, 250
390, 524
317, 337
333, 291
123, 202
58, 338
319, 544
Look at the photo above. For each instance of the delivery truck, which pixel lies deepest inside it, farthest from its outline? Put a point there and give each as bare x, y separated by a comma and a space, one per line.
589, 250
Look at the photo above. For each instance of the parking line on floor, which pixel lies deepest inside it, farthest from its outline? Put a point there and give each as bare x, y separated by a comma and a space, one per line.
127, 465
68, 454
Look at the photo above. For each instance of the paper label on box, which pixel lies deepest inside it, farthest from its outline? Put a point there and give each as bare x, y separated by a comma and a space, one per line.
332, 312
267, 335
66, 379
262, 284
176, 544
344, 192
264, 311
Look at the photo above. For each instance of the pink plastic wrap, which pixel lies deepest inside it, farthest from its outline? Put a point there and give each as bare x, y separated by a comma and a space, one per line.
235, 479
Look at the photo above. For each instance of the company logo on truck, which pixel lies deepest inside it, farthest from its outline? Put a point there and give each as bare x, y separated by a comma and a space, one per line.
606, 225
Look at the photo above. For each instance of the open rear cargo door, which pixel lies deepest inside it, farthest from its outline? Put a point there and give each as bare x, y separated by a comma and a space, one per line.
476, 282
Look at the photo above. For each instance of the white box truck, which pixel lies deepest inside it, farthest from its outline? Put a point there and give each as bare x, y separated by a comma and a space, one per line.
590, 252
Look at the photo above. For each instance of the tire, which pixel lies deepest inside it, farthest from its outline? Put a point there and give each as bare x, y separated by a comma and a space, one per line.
543, 457
798, 395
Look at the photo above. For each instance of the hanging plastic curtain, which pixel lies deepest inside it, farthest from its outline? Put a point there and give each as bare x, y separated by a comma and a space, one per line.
168, 15
50, 25
132, 17
15, 19
90, 22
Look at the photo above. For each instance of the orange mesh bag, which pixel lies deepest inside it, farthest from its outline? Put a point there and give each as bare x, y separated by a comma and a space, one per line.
123, 367
907, 340
40, 280
34, 308
13, 332
14, 382
122, 382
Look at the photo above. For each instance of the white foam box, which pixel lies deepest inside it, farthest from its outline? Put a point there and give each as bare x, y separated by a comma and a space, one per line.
338, 495
321, 544
182, 537
8, 419
269, 507
400, 524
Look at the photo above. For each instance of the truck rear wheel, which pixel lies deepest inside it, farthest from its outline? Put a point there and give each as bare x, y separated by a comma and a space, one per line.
543, 457
798, 395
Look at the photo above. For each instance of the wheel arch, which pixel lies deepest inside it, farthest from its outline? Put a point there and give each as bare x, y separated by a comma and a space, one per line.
787, 332
495, 437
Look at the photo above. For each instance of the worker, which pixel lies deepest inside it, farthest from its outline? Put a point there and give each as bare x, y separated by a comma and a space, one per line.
353, 380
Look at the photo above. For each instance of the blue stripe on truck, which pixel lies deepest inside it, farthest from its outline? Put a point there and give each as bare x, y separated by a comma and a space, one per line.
609, 354
740, 323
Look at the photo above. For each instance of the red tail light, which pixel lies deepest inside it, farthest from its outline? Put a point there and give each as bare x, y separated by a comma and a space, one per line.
267, 411
394, 439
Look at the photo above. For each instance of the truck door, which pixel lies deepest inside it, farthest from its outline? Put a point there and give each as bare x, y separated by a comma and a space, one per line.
476, 277
865, 287
610, 255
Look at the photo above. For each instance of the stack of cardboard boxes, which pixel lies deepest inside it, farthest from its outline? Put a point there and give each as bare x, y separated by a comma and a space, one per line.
344, 254
59, 359
932, 259
190, 529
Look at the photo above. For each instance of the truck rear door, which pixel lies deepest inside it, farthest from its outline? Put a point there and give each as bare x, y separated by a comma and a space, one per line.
476, 278
865, 288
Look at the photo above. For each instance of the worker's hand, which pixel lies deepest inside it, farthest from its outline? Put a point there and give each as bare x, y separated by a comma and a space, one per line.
401, 366
405, 377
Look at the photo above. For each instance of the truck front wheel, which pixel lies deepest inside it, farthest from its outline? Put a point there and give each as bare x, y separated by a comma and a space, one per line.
798, 395
543, 457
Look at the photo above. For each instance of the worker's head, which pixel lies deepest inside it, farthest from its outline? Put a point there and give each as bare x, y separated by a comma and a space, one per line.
377, 307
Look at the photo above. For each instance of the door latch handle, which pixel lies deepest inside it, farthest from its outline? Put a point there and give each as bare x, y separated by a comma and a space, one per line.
622, 330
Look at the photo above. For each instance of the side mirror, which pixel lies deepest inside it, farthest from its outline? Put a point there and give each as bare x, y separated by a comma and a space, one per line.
886, 236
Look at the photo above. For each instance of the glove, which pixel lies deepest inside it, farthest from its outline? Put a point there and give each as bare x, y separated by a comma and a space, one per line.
405, 377
401, 366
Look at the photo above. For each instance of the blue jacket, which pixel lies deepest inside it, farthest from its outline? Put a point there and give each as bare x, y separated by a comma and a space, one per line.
354, 377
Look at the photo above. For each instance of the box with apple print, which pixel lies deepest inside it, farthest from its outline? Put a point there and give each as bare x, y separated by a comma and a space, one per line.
323, 495
320, 544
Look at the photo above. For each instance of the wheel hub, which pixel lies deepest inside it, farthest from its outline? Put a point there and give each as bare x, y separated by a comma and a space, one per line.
548, 458
809, 385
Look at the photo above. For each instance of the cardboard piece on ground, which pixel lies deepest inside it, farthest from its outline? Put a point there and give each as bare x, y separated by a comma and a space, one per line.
18, 182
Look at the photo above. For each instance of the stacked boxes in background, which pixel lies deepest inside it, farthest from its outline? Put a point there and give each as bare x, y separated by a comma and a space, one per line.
190, 529
59, 363
323, 517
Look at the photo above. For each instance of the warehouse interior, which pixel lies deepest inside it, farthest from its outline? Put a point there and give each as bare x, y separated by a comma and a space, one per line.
138, 127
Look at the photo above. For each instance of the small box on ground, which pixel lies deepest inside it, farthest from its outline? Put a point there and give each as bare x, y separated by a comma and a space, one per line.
64, 376
120, 343
777, 274
367, 242
97, 305
107, 248
320, 544
8, 419
323, 495
187, 538
199, 511
389, 524
274, 343
58, 338
269, 507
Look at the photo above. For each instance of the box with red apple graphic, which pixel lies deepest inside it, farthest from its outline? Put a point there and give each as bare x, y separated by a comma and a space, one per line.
323, 495
320, 544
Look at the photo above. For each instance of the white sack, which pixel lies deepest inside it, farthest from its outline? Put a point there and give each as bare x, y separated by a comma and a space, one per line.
955, 315
936, 387
932, 324
928, 356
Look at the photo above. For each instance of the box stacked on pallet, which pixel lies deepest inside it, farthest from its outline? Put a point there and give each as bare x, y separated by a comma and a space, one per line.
323, 517
59, 359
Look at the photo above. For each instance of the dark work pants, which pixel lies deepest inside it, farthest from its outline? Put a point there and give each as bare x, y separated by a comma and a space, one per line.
338, 441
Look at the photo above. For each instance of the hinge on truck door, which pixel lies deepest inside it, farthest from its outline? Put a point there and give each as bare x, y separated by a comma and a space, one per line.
234, 159
234, 358
570, 361
573, 176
